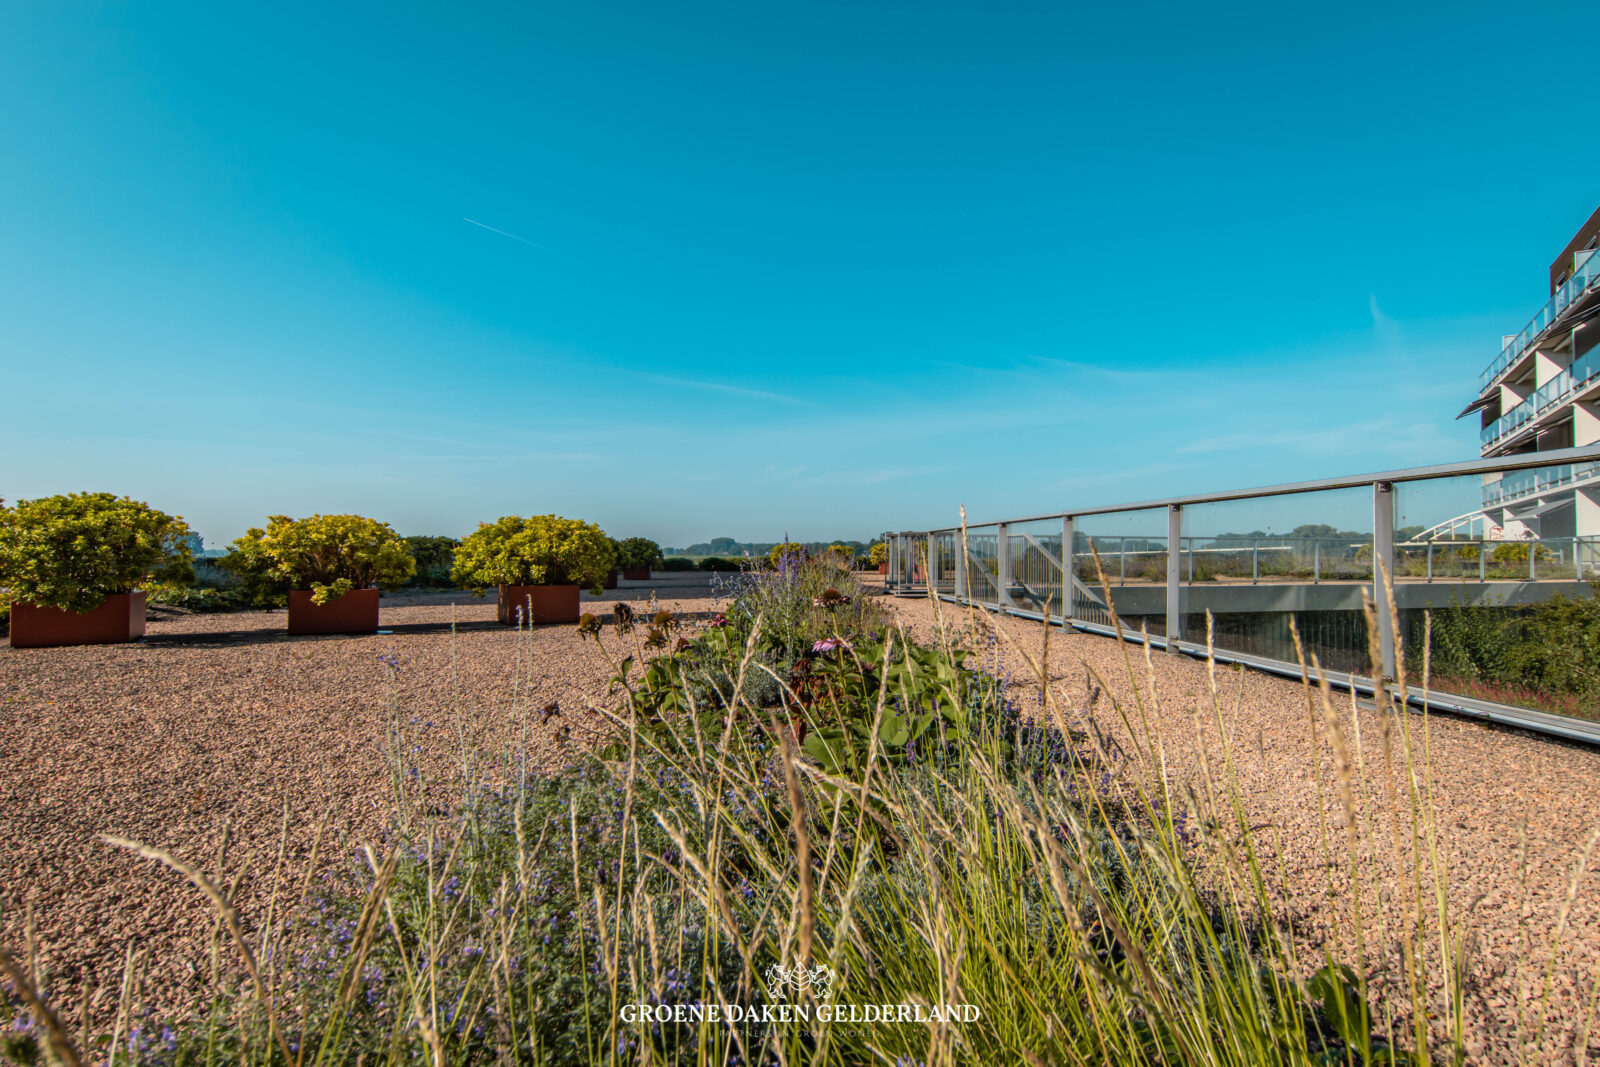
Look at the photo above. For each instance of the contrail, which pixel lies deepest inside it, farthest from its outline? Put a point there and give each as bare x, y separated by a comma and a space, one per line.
503, 233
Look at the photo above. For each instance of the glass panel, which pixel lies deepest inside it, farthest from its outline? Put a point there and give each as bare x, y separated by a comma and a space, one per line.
1133, 554
1499, 566
943, 567
983, 564
1254, 564
1035, 569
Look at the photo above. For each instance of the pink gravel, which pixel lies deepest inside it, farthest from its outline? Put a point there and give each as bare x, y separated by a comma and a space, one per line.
216, 719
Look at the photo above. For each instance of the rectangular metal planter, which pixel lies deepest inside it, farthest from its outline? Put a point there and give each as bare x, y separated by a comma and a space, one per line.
119, 618
611, 579
549, 603
354, 613
636, 574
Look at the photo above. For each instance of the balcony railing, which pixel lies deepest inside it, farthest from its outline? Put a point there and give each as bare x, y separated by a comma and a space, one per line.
1542, 479
1584, 369
1570, 290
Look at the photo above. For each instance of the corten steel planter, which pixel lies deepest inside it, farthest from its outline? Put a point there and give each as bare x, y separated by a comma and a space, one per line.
354, 613
119, 618
636, 574
549, 603
883, 568
611, 580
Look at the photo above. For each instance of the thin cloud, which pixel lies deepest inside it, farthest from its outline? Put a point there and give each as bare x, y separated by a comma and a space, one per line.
735, 390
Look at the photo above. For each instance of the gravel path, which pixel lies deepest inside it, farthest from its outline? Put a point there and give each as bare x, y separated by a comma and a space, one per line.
1514, 815
224, 718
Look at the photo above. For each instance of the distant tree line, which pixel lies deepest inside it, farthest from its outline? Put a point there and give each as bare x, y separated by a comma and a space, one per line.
729, 548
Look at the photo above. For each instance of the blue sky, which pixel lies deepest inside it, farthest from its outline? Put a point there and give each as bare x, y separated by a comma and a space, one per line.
736, 269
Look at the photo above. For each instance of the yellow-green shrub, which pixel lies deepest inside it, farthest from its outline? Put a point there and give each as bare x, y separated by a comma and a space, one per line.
328, 554
539, 550
73, 550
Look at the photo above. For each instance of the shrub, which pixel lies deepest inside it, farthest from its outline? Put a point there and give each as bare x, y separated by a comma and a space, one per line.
74, 550
328, 554
678, 563
1552, 646
638, 552
786, 548
434, 556
1518, 553
540, 550
795, 608
717, 563
878, 554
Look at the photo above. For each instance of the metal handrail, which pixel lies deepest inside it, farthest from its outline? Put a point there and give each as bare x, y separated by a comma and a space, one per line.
1581, 454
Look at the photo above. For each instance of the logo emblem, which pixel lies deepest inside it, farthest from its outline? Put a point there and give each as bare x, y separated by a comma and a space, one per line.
793, 981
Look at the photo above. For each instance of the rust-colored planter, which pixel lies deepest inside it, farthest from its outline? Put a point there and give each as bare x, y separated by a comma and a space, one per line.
636, 574
883, 568
119, 618
549, 603
611, 580
354, 613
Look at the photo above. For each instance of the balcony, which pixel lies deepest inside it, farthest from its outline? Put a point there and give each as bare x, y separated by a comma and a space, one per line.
1523, 483
1584, 370
1586, 275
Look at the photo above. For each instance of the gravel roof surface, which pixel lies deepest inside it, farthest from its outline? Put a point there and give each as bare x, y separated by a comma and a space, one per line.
1514, 815
223, 717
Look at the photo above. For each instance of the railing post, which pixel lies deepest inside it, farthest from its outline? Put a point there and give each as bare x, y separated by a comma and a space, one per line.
1068, 607
933, 566
1316, 562
1533, 555
1002, 570
1174, 576
1383, 564
1255, 560
961, 569
1122, 560
1430, 561
1483, 560
892, 576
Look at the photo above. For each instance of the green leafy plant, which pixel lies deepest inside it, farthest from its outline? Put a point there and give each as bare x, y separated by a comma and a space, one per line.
74, 550
878, 554
328, 554
539, 550
435, 556
638, 552
717, 563
678, 563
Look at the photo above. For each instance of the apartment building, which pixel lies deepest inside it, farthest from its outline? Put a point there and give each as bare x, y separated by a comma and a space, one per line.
1543, 392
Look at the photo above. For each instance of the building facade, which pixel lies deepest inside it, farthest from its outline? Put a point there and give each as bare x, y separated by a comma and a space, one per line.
1543, 392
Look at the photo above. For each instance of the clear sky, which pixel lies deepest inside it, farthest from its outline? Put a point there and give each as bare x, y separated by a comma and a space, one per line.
702, 269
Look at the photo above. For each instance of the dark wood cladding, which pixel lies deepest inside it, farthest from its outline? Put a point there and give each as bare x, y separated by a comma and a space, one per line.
1590, 230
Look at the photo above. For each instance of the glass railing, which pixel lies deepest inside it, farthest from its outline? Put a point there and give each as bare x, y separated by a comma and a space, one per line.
1585, 369
1277, 578
1565, 294
1523, 483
